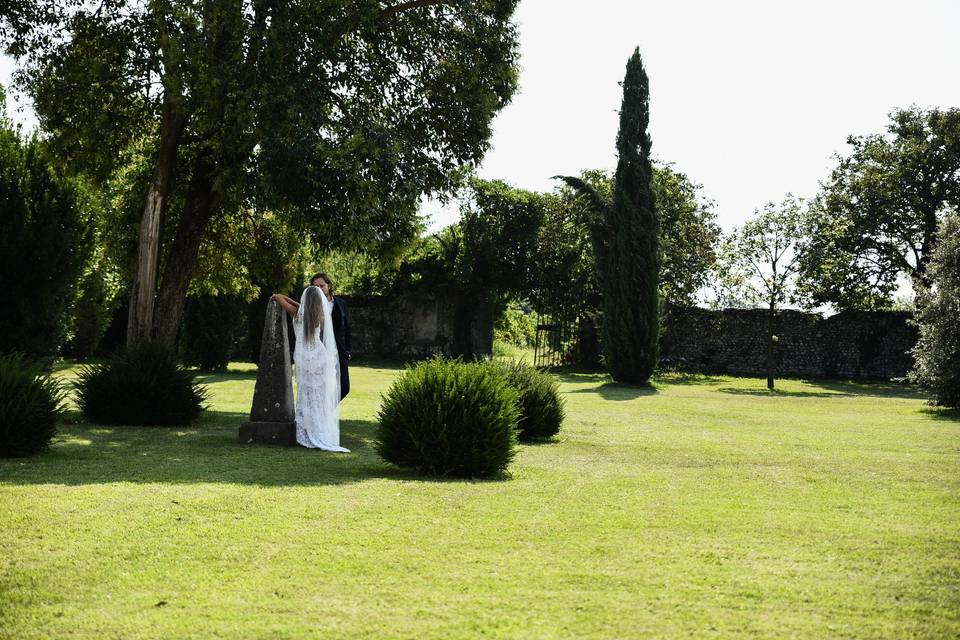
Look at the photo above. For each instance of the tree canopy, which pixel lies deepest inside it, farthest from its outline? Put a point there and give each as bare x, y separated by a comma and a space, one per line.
875, 219
335, 115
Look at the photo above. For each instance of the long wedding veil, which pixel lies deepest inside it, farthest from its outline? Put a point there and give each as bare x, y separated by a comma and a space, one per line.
323, 354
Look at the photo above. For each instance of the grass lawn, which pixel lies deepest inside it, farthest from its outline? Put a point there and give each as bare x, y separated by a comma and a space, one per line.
697, 508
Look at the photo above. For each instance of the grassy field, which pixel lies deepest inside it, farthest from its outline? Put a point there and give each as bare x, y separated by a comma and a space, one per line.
703, 507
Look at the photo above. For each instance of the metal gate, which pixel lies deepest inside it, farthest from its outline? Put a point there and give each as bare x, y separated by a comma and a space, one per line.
552, 341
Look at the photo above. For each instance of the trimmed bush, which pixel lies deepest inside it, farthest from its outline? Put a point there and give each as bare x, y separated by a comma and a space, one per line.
449, 418
541, 408
143, 385
31, 403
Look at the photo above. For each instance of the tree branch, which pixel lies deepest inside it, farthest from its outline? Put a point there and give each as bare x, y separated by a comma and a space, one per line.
388, 12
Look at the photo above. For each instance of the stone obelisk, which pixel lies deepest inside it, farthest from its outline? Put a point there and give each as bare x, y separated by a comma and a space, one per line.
271, 416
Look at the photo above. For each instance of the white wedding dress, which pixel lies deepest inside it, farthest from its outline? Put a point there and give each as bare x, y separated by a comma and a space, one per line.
318, 383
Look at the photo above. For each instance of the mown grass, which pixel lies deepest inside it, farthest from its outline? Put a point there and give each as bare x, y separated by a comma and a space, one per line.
699, 507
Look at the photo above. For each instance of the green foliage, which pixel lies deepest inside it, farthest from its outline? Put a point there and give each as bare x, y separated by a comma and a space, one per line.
480, 263
143, 385
100, 289
565, 278
572, 235
358, 273
45, 240
759, 263
875, 219
628, 263
496, 240
335, 116
490, 254
447, 418
689, 235
937, 352
515, 327
211, 327
541, 407
31, 404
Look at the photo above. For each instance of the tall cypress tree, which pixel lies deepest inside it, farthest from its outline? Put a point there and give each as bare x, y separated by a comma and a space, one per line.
629, 266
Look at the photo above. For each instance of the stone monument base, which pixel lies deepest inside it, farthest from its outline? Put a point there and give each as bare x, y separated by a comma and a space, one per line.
268, 432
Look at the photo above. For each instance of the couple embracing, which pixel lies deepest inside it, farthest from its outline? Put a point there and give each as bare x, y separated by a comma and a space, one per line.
321, 355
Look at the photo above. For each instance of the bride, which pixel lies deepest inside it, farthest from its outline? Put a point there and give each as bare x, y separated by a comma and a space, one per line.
317, 370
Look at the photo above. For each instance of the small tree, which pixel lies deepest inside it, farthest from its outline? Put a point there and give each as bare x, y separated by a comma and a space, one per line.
938, 350
759, 262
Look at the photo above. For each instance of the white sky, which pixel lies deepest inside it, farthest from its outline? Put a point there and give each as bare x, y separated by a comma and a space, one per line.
748, 97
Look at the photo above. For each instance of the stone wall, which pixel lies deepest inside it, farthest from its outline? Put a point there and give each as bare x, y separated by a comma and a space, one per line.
846, 345
408, 327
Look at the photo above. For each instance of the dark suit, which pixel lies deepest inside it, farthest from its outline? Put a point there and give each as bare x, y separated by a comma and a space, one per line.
341, 332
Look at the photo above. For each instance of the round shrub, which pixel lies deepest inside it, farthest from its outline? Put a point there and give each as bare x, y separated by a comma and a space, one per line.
31, 403
143, 385
447, 418
541, 407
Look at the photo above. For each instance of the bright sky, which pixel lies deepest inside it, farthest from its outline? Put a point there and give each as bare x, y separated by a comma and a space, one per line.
750, 98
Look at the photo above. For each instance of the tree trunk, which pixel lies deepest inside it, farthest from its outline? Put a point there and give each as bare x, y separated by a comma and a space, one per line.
199, 207
771, 340
140, 317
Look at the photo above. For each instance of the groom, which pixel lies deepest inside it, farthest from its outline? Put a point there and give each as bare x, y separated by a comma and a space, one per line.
341, 329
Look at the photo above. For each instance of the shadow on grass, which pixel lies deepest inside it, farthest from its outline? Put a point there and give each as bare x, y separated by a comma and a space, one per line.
834, 389
868, 388
774, 393
619, 392
207, 451
576, 377
213, 377
942, 413
249, 373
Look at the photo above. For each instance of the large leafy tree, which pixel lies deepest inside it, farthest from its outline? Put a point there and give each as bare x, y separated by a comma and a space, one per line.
760, 263
337, 115
938, 350
875, 219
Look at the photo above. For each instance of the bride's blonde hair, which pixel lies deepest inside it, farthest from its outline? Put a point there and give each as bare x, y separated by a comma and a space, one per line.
312, 312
